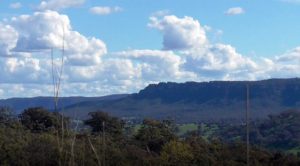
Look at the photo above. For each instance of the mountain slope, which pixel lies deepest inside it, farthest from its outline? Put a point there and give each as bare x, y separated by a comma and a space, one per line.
206, 101
19, 104
185, 102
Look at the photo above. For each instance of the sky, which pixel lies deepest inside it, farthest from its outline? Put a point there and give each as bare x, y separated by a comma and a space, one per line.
121, 46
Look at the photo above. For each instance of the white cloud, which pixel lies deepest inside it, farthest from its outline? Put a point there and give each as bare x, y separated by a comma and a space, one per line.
179, 33
1, 92
8, 39
217, 61
235, 11
15, 5
49, 30
285, 65
19, 37
290, 56
160, 13
120, 73
200, 56
25, 90
158, 65
105, 10
23, 70
59, 4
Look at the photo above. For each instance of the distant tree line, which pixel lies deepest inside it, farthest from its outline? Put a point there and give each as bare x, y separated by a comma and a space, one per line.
278, 132
39, 137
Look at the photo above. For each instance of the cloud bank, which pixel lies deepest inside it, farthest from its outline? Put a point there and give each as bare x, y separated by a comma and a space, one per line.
90, 69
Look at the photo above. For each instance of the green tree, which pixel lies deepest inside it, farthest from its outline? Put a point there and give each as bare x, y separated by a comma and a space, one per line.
176, 153
12, 142
202, 151
154, 134
101, 122
42, 149
6, 115
40, 120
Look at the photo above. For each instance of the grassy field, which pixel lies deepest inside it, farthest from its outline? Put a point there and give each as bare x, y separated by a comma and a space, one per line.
185, 128
189, 127
294, 151
182, 129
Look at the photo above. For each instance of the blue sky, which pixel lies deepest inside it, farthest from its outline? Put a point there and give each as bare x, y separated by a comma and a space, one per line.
267, 28
127, 44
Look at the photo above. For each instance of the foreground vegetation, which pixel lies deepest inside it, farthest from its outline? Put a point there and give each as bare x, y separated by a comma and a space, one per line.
39, 137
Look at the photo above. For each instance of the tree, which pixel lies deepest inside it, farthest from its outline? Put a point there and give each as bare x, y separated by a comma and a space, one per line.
6, 115
42, 149
154, 134
201, 150
176, 153
40, 120
101, 122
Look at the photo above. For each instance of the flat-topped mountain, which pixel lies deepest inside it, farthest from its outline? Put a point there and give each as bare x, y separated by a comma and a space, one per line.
193, 101
284, 91
185, 102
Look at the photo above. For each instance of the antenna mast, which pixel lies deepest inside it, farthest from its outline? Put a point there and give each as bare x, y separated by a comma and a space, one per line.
104, 145
247, 123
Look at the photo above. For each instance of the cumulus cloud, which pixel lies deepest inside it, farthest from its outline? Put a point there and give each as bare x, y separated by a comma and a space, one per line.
218, 61
203, 59
290, 56
120, 73
59, 4
105, 10
285, 65
47, 32
8, 39
157, 65
179, 33
24, 70
19, 37
53, 30
15, 5
235, 11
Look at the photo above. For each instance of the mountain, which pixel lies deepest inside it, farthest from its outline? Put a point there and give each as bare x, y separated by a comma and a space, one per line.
184, 102
19, 104
205, 101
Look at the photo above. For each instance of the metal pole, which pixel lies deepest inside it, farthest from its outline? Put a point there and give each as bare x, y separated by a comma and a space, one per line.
103, 129
247, 123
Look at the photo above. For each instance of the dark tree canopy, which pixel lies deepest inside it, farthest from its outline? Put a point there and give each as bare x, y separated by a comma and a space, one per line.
154, 134
6, 115
40, 120
101, 121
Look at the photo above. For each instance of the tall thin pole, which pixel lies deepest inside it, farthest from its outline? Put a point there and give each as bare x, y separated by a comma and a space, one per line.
247, 123
104, 146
